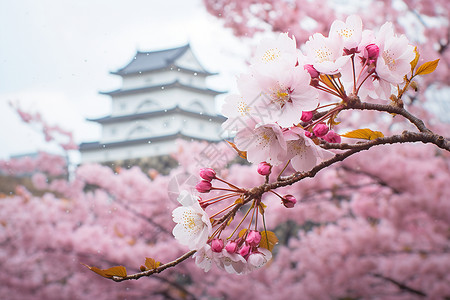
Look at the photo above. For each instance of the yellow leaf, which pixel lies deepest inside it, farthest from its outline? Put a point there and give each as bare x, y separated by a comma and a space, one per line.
262, 208
119, 271
415, 60
268, 240
365, 134
427, 67
242, 232
242, 154
239, 200
151, 264
326, 79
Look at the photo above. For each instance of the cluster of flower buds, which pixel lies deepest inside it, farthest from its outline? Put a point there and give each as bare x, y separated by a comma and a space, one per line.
239, 256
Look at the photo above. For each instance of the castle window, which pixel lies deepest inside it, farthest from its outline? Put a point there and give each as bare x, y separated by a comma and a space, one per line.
147, 105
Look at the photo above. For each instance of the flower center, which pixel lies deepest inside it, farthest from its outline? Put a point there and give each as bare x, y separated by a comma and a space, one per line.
243, 108
323, 54
389, 60
271, 55
346, 32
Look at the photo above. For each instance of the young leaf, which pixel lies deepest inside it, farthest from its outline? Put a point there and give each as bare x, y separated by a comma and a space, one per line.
151, 264
119, 271
427, 67
268, 240
242, 232
242, 154
415, 60
365, 134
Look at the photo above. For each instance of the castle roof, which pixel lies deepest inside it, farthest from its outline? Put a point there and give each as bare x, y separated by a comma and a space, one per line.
93, 146
155, 60
174, 84
175, 110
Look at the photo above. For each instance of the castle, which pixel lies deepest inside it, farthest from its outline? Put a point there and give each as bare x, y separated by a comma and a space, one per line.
163, 98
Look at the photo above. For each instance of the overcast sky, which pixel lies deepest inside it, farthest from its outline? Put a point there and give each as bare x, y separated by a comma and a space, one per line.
55, 56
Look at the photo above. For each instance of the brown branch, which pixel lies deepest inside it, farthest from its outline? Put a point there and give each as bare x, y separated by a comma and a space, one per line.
401, 285
390, 109
157, 270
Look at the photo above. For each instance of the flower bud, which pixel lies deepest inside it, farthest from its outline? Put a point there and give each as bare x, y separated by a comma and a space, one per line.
372, 51
307, 116
203, 186
311, 70
264, 168
231, 247
332, 137
217, 245
253, 238
245, 250
289, 201
320, 130
207, 174
308, 134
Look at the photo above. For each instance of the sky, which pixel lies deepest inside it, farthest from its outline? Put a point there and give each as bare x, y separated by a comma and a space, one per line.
56, 56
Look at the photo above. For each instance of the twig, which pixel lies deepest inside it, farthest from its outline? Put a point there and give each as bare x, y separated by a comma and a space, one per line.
157, 270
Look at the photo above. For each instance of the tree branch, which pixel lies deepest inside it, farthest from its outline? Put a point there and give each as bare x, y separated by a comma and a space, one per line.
156, 270
401, 285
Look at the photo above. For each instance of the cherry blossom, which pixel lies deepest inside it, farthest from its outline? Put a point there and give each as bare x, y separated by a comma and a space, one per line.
193, 226
262, 142
325, 54
302, 151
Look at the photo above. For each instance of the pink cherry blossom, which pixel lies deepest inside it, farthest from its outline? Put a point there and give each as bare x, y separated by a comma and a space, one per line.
325, 54
262, 142
302, 151
349, 31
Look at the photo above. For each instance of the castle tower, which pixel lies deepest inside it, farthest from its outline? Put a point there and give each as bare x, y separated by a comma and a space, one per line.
163, 98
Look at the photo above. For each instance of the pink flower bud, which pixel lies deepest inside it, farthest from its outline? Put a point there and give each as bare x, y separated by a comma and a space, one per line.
289, 201
320, 129
203, 186
332, 137
207, 174
311, 70
372, 51
253, 238
264, 168
231, 247
217, 245
308, 134
307, 116
245, 250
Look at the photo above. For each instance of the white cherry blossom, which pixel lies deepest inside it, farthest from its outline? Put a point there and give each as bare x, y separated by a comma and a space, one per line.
193, 225
325, 54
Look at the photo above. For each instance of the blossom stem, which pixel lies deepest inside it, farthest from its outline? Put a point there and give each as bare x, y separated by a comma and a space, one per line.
327, 90
240, 223
354, 74
329, 113
219, 198
223, 210
223, 189
284, 168
229, 184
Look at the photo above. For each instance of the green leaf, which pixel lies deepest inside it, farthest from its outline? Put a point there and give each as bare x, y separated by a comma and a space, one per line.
268, 240
119, 271
427, 67
365, 134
